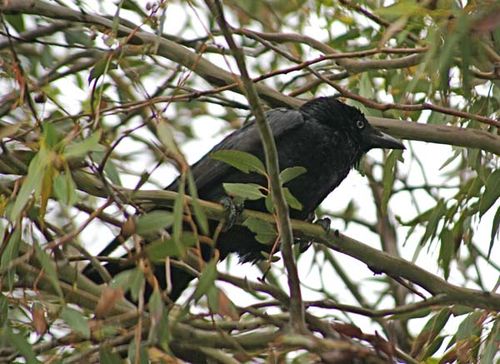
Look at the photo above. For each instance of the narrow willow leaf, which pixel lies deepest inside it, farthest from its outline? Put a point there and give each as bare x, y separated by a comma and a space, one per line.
16, 20
471, 326
76, 321
206, 280
432, 347
446, 251
432, 224
82, 148
290, 173
49, 268
32, 181
431, 330
243, 161
154, 221
179, 213
491, 193
388, 177
491, 344
159, 249
101, 67
166, 136
10, 253
199, 213
247, 191
21, 344
65, 188
106, 356
494, 230
130, 280
112, 172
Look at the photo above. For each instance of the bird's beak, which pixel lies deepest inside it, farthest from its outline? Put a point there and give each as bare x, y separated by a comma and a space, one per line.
374, 138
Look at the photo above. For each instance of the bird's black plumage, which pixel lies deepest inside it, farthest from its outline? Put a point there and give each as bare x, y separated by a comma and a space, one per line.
325, 136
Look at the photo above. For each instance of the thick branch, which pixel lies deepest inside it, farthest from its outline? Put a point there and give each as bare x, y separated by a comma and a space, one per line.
378, 261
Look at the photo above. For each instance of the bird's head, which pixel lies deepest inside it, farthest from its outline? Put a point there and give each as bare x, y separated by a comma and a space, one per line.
339, 116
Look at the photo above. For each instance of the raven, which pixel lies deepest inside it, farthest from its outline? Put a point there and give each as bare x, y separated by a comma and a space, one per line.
325, 136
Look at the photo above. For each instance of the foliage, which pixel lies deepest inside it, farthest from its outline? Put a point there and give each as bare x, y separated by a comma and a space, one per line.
99, 100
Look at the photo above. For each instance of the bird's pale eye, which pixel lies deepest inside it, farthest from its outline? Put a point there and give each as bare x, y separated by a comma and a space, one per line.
360, 124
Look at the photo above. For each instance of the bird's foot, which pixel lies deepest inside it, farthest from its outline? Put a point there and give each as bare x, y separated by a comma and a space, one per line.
232, 211
325, 223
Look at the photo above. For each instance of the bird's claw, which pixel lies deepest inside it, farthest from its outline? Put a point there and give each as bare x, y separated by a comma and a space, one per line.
232, 211
304, 245
325, 223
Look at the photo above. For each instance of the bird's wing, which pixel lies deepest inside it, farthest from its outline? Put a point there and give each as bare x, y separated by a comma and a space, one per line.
247, 139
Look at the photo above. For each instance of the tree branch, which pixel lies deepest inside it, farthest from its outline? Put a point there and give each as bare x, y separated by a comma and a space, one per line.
271, 156
378, 261
437, 134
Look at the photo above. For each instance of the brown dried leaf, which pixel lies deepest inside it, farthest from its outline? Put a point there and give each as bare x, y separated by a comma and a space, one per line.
39, 321
108, 299
226, 306
348, 330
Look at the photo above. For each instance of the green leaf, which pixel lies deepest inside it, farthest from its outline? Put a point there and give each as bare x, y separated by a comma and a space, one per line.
76, 321
454, 156
446, 251
4, 309
199, 213
491, 344
82, 148
112, 172
156, 307
65, 188
420, 313
16, 20
10, 253
101, 67
106, 356
130, 280
471, 326
48, 268
243, 161
388, 177
265, 232
50, 136
77, 37
402, 8
206, 280
247, 191
166, 136
291, 200
179, 213
432, 347
159, 249
431, 330
290, 173
432, 224
269, 203
154, 221
491, 193
494, 230
21, 344
32, 182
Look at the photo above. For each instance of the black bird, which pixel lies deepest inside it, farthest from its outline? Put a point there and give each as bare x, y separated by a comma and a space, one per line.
325, 136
